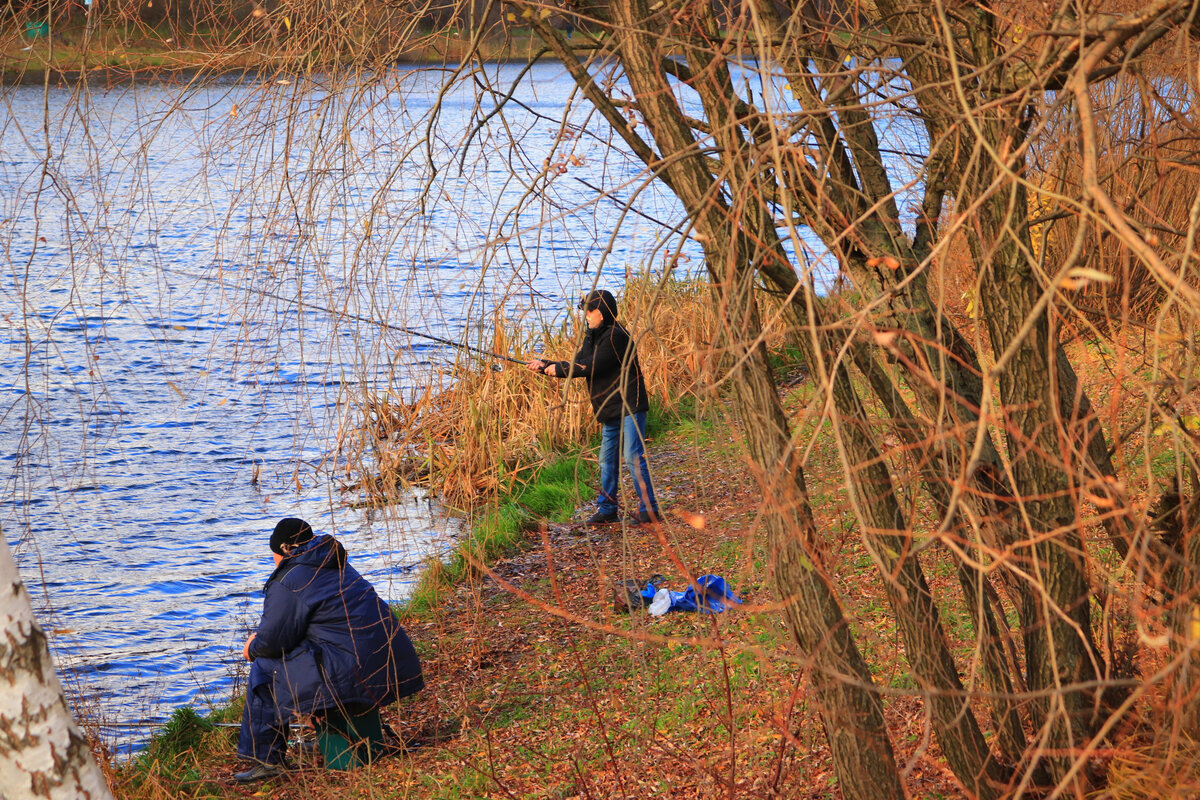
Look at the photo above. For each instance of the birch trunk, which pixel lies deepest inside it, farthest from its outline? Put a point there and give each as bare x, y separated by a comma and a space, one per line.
43, 754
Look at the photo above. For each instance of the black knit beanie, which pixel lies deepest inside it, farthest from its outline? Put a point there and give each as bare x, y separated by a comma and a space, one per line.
290, 531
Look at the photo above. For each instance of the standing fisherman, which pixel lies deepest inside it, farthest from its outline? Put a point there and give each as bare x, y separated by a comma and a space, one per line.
608, 360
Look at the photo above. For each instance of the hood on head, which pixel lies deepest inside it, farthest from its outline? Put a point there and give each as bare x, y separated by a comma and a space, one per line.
321, 552
603, 300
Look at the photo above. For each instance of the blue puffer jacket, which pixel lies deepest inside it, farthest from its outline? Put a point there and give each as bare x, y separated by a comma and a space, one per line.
326, 639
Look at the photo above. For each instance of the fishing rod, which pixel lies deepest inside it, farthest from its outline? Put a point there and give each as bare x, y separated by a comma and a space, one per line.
628, 206
357, 317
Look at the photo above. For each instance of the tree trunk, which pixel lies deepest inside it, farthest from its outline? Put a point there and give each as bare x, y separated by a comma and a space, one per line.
1059, 650
981, 597
888, 539
852, 713
43, 754
1178, 519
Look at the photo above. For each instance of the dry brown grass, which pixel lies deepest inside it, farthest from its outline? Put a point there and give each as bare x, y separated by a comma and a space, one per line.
483, 428
1145, 166
1154, 771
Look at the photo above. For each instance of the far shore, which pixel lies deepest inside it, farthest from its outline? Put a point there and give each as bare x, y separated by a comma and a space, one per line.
152, 59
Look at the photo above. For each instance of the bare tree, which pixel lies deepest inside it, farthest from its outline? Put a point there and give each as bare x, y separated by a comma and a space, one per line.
993, 185
1009, 439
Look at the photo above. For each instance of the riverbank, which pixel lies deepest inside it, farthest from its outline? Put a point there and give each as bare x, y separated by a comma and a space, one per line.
122, 54
540, 685
537, 686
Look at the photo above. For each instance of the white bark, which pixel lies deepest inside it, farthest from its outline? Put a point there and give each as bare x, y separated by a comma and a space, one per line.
43, 754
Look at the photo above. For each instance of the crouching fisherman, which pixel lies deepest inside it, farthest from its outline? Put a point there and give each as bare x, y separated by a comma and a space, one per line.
326, 641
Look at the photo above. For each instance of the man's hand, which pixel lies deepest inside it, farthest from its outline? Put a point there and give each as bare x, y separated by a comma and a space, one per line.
536, 365
246, 649
551, 370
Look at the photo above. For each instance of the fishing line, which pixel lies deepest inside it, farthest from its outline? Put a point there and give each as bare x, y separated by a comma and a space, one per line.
627, 206
356, 317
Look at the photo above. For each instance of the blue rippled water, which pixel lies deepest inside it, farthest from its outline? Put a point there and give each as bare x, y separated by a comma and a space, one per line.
163, 397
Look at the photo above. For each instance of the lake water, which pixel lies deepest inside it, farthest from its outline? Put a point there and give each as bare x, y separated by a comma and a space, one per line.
164, 397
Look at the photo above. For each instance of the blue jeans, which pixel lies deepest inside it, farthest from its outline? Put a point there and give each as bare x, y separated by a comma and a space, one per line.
628, 435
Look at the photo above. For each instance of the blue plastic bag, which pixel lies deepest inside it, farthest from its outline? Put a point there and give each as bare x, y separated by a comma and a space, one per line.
714, 596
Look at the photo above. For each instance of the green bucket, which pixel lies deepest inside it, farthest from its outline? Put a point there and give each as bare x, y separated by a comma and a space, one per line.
37, 29
349, 740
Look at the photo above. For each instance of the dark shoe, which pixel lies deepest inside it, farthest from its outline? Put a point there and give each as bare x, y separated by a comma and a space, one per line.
601, 518
259, 772
647, 517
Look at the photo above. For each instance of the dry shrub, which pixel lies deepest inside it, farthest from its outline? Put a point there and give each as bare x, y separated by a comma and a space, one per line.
1144, 166
1140, 773
484, 428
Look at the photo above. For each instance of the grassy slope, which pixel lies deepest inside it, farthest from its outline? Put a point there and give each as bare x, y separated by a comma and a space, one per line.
538, 688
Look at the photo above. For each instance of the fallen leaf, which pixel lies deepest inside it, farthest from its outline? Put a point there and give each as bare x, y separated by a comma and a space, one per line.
1098, 501
886, 338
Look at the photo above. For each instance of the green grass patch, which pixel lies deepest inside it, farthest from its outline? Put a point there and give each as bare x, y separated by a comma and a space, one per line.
552, 494
683, 413
174, 755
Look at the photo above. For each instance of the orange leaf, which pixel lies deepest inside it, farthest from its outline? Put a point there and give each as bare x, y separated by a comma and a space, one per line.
886, 338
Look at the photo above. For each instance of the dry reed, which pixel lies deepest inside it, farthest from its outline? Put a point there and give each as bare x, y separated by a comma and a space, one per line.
484, 430
1144, 166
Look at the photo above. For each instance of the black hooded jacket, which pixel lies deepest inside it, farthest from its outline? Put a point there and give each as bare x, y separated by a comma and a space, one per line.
608, 359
